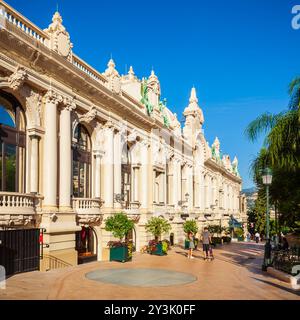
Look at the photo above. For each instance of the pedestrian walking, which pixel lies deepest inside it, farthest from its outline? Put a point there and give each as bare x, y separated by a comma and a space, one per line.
257, 237
248, 236
206, 240
191, 245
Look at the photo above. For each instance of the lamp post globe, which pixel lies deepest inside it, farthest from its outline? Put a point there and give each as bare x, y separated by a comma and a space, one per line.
267, 180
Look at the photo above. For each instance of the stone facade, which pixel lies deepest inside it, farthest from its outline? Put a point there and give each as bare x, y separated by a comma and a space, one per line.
132, 154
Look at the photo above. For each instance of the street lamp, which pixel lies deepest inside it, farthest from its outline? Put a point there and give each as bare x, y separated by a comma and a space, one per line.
267, 180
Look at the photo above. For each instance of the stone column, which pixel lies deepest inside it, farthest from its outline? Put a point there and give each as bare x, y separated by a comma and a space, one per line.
136, 184
97, 189
179, 182
34, 163
190, 186
144, 174
175, 183
197, 192
50, 151
117, 166
109, 166
65, 157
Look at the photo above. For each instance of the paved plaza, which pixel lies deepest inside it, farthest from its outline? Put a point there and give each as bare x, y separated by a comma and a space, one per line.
234, 274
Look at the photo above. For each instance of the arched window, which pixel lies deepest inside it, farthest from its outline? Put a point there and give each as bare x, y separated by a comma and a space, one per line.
12, 144
81, 162
126, 175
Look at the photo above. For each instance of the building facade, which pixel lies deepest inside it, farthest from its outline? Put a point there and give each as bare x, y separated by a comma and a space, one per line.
78, 146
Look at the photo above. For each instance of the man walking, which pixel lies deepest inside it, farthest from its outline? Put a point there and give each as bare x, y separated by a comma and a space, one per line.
206, 240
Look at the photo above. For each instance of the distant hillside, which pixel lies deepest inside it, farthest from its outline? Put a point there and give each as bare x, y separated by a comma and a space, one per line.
249, 190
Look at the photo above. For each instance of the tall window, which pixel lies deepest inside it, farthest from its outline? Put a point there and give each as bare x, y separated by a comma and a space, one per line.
126, 175
12, 144
81, 162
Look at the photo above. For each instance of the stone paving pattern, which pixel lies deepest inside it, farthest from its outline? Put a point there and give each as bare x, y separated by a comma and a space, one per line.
234, 274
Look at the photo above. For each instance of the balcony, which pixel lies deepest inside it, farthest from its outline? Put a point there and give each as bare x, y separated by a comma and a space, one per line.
159, 208
14, 203
90, 206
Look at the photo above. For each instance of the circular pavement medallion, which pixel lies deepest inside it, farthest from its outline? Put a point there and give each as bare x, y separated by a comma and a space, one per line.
141, 277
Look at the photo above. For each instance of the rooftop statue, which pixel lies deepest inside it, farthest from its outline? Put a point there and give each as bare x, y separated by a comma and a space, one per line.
145, 98
162, 106
215, 150
235, 167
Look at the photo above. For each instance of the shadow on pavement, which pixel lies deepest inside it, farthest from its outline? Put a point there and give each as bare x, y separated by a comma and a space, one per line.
278, 286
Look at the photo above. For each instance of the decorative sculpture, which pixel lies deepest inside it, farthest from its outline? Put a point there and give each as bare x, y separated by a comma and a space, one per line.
145, 98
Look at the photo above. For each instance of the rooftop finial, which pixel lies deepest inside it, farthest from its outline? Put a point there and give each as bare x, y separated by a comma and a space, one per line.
131, 73
193, 97
111, 63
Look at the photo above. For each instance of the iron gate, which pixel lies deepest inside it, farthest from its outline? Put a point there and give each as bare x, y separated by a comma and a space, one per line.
20, 250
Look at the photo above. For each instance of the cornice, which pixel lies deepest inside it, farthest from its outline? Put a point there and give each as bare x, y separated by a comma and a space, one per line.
210, 163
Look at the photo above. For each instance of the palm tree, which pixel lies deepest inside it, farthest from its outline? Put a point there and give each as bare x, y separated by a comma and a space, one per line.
281, 152
282, 143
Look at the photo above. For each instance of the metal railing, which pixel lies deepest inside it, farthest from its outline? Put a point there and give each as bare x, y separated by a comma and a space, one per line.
55, 263
285, 260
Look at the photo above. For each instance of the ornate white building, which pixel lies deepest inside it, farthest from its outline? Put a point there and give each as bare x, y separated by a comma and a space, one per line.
78, 146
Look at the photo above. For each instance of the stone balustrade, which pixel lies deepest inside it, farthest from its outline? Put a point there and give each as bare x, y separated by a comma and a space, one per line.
91, 72
11, 16
18, 203
87, 205
159, 208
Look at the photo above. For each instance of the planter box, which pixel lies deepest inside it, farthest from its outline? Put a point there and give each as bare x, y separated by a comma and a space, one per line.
158, 250
186, 244
119, 254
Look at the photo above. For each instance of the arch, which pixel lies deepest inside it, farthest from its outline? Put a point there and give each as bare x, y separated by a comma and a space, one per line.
81, 167
87, 244
12, 144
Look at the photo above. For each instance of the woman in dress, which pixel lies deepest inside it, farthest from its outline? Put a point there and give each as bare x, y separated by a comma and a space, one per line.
191, 245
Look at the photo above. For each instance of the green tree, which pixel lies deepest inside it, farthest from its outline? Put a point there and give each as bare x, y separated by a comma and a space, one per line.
157, 226
119, 225
190, 226
281, 152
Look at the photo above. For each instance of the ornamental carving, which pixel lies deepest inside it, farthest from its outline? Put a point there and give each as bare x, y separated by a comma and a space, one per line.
113, 77
59, 37
89, 116
69, 103
33, 102
16, 80
53, 97
90, 220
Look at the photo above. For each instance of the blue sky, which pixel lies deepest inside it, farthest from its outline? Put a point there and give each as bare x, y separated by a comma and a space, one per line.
239, 54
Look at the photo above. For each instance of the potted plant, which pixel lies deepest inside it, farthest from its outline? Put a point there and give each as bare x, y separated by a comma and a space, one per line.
239, 233
190, 226
157, 226
119, 225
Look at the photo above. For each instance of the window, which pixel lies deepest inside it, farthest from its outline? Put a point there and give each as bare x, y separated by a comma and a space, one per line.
81, 162
12, 144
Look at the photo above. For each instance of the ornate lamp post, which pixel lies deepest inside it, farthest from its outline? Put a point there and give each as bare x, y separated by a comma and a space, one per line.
267, 180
